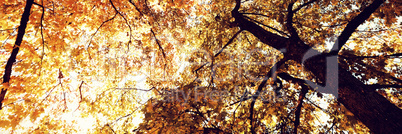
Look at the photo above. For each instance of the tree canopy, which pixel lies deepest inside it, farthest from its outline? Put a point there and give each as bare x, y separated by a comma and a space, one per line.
209, 66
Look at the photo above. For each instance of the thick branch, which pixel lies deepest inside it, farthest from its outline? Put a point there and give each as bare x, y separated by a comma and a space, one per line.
355, 22
263, 35
11, 60
289, 23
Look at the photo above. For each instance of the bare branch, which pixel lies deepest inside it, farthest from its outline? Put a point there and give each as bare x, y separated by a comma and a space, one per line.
377, 56
219, 52
128, 24
82, 82
260, 87
90, 40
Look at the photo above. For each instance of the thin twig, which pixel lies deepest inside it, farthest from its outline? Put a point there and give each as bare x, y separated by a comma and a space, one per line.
90, 40
160, 47
281, 32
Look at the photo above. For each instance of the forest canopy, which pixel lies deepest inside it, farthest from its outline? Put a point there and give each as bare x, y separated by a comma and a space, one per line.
208, 66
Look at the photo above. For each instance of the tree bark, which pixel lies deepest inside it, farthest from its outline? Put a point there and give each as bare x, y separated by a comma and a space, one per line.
372, 109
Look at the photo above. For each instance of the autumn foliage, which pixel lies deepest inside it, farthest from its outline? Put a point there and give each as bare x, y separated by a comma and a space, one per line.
210, 66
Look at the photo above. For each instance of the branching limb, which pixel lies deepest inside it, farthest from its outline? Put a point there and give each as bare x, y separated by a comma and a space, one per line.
269, 38
93, 35
128, 24
260, 87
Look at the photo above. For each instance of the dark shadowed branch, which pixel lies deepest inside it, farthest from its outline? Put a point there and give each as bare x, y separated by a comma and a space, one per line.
18, 41
355, 22
128, 24
157, 42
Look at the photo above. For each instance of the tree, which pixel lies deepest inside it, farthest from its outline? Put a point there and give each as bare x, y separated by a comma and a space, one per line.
210, 66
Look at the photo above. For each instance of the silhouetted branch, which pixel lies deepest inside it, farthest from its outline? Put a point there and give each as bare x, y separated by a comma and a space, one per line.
355, 22
38, 4
260, 87
289, 24
220, 51
141, 14
160, 47
229, 42
377, 86
90, 40
43, 39
263, 35
128, 24
283, 33
302, 95
16, 48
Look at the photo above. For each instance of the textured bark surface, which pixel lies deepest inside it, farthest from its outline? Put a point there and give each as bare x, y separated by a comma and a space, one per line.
372, 109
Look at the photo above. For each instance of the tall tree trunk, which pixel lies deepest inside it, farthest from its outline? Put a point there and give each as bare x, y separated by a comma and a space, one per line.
372, 109
11, 60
